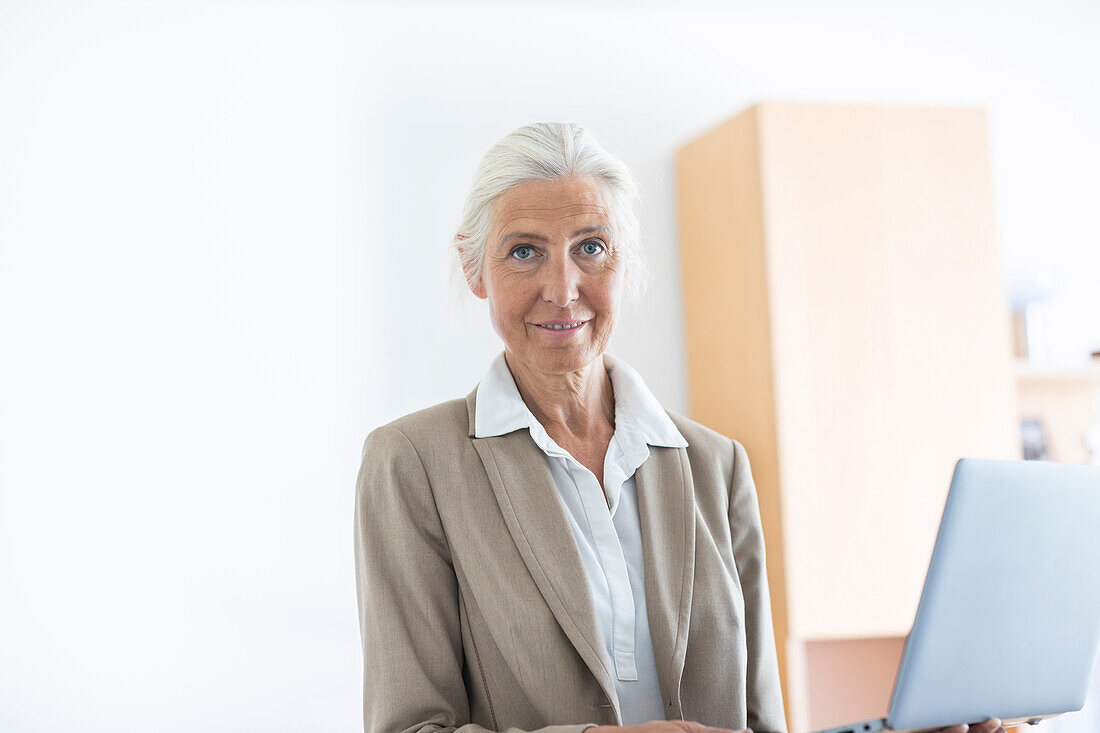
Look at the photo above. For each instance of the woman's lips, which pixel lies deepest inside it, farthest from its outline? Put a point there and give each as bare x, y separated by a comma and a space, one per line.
561, 333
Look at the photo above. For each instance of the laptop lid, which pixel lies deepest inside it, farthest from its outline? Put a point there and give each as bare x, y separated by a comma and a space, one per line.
1008, 622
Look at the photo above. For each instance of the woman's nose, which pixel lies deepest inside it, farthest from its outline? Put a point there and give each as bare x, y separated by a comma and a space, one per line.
562, 280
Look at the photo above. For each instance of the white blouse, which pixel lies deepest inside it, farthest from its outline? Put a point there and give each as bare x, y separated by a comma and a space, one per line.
609, 539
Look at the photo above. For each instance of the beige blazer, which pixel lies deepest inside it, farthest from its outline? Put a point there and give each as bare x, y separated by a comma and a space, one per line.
474, 607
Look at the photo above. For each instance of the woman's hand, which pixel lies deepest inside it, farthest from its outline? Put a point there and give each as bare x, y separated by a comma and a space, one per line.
993, 725
663, 726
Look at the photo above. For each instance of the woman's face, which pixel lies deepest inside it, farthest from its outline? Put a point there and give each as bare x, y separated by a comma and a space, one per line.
552, 259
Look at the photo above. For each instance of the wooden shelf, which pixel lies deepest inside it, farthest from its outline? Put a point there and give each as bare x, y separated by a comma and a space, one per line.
1064, 398
1028, 371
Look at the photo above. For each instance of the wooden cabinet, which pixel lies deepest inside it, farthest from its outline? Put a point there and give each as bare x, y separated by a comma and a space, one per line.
845, 320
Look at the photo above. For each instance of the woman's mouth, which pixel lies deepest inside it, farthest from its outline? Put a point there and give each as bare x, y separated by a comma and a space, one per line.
560, 328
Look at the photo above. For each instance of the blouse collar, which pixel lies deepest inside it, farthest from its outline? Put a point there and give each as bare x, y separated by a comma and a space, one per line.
500, 409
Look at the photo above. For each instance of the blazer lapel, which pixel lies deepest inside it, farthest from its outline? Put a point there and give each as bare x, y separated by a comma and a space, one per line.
532, 510
666, 508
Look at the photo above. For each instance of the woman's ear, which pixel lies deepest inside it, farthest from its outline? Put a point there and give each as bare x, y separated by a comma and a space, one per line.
477, 287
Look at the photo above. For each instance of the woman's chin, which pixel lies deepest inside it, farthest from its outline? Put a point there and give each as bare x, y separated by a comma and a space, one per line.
561, 360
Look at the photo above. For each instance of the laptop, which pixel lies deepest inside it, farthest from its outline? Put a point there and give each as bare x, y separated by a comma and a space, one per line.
1008, 622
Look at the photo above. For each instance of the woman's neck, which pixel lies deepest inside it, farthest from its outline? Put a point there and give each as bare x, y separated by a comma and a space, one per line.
579, 403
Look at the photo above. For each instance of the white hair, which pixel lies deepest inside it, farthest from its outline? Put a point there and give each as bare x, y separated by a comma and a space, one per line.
549, 151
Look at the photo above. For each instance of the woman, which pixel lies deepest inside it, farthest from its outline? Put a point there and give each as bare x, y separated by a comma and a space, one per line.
556, 551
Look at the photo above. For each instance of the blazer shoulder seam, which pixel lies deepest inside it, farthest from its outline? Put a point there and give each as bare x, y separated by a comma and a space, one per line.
428, 481
733, 474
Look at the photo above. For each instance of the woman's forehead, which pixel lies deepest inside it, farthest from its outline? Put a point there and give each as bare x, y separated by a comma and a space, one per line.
553, 205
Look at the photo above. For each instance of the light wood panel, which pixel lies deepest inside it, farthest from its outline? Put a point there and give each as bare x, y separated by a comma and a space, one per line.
845, 321
727, 319
892, 350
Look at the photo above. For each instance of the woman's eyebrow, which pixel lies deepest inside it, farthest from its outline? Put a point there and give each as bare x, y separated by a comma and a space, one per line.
601, 229
539, 238
523, 235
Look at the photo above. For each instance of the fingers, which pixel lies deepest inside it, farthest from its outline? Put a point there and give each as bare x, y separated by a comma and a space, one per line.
992, 725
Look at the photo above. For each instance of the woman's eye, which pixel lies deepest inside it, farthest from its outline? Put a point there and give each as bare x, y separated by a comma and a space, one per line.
592, 248
523, 253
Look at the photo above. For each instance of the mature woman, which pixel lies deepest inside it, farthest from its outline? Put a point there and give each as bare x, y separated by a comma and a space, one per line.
557, 551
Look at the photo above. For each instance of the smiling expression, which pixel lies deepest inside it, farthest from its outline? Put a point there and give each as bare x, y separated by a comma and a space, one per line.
552, 273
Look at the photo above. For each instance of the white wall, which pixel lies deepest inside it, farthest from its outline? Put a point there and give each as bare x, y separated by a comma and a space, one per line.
222, 261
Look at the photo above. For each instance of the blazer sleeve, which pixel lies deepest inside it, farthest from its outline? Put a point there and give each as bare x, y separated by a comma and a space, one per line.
408, 598
764, 698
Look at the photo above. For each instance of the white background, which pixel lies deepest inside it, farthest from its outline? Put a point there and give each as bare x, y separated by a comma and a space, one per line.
223, 260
